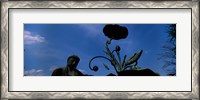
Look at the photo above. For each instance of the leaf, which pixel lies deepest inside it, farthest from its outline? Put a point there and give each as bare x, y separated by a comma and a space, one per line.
106, 66
136, 67
106, 52
123, 62
131, 60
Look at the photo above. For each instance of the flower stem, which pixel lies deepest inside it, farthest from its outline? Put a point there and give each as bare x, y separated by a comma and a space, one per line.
123, 61
120, 66
114, 62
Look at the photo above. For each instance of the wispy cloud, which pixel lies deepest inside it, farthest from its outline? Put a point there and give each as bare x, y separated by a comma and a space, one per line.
30, 38
83, 71
92, 30
33, 72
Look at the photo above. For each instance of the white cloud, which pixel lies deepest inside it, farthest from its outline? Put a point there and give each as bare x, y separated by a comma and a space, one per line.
30, 38
83, 71
33, 72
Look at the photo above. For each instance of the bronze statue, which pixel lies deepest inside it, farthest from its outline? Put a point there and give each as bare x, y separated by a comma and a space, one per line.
70, 69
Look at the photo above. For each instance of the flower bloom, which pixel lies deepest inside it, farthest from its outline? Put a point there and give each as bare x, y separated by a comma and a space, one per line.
115, 31
117, 48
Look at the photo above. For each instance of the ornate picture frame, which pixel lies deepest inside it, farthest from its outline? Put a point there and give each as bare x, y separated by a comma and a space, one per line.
6, 94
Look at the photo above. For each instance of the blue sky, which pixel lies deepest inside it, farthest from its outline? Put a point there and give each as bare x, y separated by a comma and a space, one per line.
47, 46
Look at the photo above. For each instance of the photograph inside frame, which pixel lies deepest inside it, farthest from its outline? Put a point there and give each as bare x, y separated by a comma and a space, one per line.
100, 49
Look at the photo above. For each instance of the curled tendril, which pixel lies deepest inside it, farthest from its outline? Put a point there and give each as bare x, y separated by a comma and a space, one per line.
95, 68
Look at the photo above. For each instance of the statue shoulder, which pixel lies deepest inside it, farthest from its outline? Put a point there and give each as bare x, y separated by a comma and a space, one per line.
58, 72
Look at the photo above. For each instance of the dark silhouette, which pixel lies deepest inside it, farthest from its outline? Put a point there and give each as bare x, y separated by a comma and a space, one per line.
111, 74
115, 32
140, 72
70, 69
169, 51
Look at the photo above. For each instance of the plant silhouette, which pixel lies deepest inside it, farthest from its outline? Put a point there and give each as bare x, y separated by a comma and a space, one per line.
117, 32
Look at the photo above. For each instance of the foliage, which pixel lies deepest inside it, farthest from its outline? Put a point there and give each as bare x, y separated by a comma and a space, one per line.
169, 54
